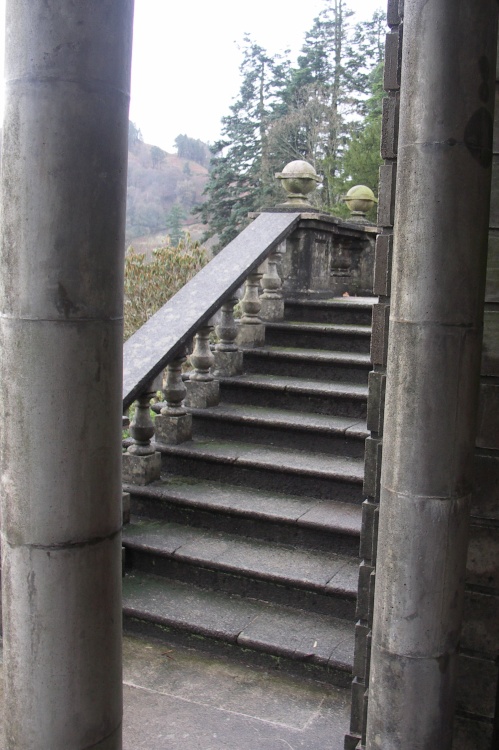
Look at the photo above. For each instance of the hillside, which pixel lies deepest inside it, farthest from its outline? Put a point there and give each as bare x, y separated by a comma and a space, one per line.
157, 181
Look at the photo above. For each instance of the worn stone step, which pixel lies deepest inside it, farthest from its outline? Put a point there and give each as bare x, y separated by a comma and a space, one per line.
351, 367
331, 336
317, 646
289, 519
317, 581
357, 310
297, 394
299, 472
281, 427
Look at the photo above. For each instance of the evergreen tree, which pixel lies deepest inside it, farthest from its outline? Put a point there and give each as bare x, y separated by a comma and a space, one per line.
309, 111
241, 170
366, 51
134, 135
313, 115
362, 158
193, 149
327, 95
174, 224
157, 156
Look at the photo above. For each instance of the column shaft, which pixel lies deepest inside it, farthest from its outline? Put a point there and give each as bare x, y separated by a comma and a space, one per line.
62, 237
441, 220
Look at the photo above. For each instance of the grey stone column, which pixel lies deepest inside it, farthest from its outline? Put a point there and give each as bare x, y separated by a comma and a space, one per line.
442, 204
62, 236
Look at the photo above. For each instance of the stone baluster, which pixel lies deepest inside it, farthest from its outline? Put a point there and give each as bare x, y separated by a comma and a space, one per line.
227, 328
272, 298
228, 357
141, 462
251, 330
202, 357
175, 390
125, 426
142, 427
174, 425
202, 388
125, 496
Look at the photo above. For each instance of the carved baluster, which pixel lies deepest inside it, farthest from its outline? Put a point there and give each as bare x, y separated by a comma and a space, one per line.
228, 357
202, 389
202, 357
227, 328
174, 424
250, 303
251, 330
125, 425
175, 390
141, 462
142, 426
272, 299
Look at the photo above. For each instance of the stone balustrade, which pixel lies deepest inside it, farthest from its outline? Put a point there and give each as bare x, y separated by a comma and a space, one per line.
285, 251
199, 387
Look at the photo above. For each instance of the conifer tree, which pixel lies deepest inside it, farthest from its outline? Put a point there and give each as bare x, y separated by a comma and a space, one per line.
308, 111
241, 175
312, 121
327, 94
362, 158
174, 224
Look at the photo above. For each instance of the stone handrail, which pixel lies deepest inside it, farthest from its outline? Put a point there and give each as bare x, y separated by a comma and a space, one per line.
157, 342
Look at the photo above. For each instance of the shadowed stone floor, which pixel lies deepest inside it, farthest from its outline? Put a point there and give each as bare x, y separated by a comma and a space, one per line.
178, 699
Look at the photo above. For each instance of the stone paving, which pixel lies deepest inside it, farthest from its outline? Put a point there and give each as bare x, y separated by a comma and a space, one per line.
179, 699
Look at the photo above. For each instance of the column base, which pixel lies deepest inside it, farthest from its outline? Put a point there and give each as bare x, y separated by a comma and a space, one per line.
141, 469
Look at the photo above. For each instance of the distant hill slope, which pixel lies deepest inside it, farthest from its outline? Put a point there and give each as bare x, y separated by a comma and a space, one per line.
156, 182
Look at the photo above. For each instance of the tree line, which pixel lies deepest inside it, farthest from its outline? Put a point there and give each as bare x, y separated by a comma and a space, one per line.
325, 108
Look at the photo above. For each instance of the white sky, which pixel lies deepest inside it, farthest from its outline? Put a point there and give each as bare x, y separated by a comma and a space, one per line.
185, 68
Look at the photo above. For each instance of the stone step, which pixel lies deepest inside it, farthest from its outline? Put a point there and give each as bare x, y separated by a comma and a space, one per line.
357, 310
281, 427
268, 635
288, 519
330, 336
297, 394
324, 582
351, 367
299, 472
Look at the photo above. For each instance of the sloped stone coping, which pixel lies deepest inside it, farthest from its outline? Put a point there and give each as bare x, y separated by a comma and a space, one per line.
149, 350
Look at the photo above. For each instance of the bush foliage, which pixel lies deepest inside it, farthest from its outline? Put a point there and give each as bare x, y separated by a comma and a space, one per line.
150, 284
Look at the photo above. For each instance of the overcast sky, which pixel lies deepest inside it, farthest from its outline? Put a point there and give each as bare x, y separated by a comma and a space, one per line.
185, 69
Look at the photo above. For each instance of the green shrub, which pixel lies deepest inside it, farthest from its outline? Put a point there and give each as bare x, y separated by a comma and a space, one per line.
149, 284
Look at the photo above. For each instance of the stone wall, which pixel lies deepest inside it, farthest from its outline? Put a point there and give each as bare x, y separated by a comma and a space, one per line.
377, 378
328, 257
478, 678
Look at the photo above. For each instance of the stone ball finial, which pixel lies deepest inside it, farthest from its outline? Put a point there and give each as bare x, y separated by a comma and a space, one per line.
298, 179
359, 200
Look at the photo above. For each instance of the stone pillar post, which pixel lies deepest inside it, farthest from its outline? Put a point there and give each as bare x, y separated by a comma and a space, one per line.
62, 237
442, 204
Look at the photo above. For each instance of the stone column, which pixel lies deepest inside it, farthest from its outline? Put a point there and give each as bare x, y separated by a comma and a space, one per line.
62, 238
442, 204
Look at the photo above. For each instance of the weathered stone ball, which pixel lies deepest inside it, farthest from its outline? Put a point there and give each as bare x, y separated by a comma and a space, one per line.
298, 177
360, 199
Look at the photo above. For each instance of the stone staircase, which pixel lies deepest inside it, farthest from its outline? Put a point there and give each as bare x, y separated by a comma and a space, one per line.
248, 545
